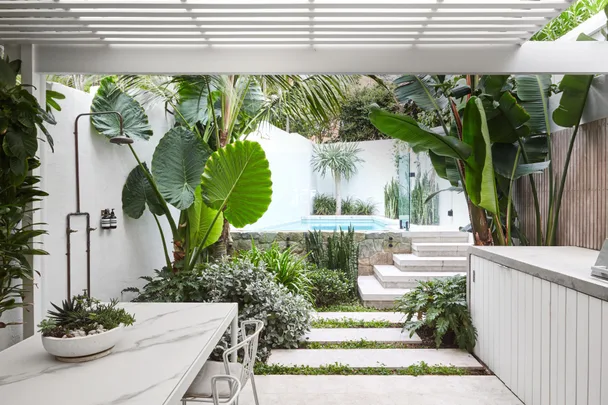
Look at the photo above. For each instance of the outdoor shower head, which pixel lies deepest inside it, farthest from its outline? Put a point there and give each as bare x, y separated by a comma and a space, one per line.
121, 140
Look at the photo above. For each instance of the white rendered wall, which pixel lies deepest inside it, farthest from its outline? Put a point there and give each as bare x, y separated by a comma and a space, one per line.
289, 157
120, 256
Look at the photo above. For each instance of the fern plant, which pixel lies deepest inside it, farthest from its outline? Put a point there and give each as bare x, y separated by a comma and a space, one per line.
439, 308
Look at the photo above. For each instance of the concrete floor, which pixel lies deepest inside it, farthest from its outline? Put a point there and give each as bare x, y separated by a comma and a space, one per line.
379, 390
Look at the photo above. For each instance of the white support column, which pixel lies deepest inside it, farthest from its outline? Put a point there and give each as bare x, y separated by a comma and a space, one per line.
33, 315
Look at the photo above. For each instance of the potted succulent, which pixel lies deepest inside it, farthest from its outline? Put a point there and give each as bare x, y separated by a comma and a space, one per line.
83, 328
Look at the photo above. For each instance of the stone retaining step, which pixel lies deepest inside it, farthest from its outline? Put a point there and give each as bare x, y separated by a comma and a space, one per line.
440, 249
362, 358
391, 277
374, 295
393, 317
378, 390
409, 262
337, 335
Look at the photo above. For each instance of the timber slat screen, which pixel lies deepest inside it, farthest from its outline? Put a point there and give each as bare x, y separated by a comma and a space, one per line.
582, 219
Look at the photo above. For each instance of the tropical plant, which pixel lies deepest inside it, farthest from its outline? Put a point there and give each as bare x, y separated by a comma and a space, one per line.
288, 268
330, 287
424, 203
436, 309
83, 316
339, 251
286, 316
232, 183
486, 121
341, 160
21, 116
323, 204
579, 12
391, 199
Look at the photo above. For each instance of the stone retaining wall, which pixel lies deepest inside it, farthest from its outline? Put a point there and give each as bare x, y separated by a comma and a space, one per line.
374, 247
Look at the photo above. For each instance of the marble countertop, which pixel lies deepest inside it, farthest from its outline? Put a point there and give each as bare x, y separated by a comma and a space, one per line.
564, 265
154, 363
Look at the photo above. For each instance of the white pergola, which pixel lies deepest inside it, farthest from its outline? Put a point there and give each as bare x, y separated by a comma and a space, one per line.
298, 36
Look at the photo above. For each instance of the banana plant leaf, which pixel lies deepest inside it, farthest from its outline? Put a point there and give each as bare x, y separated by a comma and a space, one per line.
536, 148
407, 129
237, 181
422, 91
445, 168
509, 124
137, 193
200, 219
479, 176
433, 195
534, 92
575, 89
504, 159
177, 165
494, 85
110, 98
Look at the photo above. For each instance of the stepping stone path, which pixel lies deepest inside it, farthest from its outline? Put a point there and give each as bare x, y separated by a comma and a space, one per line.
362, 358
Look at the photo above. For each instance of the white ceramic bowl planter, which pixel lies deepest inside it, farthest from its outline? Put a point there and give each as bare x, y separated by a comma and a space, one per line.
85, 348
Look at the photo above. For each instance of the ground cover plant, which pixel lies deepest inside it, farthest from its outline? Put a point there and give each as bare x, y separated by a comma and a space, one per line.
353, 323
421, 368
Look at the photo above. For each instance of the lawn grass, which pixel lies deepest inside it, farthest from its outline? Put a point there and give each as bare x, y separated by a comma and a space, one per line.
347, 323
354, 307
359, 344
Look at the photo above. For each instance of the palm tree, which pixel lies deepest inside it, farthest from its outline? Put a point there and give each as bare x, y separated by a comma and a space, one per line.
341, 160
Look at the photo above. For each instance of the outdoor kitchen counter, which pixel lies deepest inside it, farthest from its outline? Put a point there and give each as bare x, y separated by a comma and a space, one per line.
154, 363
564, 265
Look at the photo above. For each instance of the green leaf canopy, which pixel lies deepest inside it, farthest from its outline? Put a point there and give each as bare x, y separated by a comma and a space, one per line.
194, 100
137, 192
110, 98
479, 178
509, 122
407, 129
504, 156
177, 165
237, 179
534, 92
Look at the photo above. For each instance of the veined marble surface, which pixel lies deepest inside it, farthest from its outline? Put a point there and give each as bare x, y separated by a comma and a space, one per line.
154, 363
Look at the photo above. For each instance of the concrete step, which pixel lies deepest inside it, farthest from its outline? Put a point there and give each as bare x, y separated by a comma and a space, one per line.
362, 358
392, 317
391, 277
374, 295
440, 249
336, 335
409, 262
439, 236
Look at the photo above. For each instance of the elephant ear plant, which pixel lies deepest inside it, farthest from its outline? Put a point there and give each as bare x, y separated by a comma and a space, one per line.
20, 119
204, 186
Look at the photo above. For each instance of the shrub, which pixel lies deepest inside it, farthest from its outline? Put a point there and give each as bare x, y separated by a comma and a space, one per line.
288, 268
330, 287
440, 308
286, 316
324, 204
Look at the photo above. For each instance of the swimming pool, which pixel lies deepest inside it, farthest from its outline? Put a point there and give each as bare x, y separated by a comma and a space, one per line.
332, 223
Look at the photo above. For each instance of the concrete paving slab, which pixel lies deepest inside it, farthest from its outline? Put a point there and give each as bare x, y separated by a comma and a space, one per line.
335, 335
361, 358
379, 390
393, 317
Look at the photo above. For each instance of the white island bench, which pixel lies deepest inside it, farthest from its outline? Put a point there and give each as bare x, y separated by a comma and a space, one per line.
154, 363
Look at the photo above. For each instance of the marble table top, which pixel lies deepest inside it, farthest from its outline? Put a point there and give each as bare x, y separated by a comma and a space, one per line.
154, 363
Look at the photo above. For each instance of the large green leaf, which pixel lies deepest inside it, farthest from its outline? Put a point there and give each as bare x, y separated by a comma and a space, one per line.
177, 165
445, 168
504, 156
534, 92
20, 144
193, 100
493, 85
200, 219
510, 123
407, 129
422, 91
575, 89
137, 192
237, 179
479, 176
110, 98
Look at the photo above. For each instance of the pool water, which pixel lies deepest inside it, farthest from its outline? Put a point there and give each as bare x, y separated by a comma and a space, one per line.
331, 224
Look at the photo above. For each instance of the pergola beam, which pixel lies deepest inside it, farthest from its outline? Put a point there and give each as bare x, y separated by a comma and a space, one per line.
529, 58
